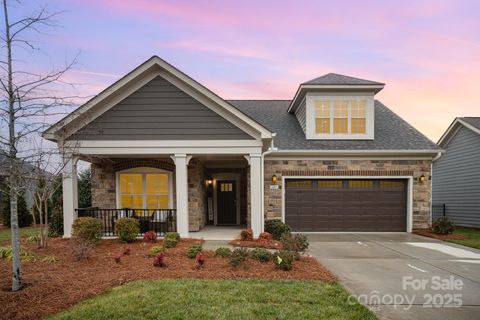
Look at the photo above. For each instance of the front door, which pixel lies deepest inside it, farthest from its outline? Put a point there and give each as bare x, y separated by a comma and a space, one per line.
226, 202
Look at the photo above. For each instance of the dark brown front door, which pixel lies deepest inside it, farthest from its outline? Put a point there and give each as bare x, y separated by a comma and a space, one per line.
226, 202
346, 205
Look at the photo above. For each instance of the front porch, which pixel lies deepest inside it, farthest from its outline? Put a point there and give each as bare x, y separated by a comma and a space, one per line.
199, 196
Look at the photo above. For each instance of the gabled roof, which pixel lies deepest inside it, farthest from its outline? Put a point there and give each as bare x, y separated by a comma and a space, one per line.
149, 69
392, 133
333, 82
472, 123
340, 79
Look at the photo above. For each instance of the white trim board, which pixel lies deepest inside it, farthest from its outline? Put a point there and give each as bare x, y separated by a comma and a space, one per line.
409, 191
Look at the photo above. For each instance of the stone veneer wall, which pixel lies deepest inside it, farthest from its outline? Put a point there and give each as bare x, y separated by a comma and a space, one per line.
197, 195
421, 193
103, 185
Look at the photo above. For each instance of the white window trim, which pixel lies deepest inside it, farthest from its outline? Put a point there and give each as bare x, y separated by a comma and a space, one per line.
409, 195
311, 116
144, 171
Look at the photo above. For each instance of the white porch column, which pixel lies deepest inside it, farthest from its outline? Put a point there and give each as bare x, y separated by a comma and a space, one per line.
256, 194
181, 179
70, 195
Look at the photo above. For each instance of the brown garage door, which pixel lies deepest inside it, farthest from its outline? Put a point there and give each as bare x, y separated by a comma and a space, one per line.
346, 205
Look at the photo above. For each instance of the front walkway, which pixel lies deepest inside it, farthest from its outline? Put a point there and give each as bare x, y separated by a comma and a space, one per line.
217, 233
384, 265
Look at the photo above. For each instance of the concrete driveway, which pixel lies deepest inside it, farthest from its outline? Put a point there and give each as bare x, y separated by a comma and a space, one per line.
404, 276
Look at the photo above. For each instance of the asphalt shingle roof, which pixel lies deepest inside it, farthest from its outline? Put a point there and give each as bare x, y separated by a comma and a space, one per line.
340, 79
474, 121
391, 131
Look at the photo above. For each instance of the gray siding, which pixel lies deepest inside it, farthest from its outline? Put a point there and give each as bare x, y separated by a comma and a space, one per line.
160, 111
301, 114
456, 178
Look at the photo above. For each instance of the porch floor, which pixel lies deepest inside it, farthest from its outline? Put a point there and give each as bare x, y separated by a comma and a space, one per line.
217, 233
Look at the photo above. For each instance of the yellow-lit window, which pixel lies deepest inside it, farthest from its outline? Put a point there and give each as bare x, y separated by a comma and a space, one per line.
330, 184
387, 184
358, 116
144, 190
340, 117
299, 184
322, 117
360, 184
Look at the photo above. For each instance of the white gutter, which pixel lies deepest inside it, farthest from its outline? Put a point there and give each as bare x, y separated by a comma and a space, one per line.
358, 152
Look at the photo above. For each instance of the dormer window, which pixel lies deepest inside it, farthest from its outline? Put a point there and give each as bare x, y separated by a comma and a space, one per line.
339, 116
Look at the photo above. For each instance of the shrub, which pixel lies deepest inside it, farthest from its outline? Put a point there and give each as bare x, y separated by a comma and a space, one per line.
246, 235
294, 242
150, 236
50, 259
87, 229
276, 228
127, 229
170, 242
265, 237
284, 259
171, 239
55, 222
81, 248
172, 235
24, 216
238, 257
223, 252
200, 260
443, 225
192, 251
156, 249
159, 260
261, 254
7, 254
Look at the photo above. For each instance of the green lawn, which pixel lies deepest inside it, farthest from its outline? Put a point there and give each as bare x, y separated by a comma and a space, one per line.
5, 234
472, 234
220, 299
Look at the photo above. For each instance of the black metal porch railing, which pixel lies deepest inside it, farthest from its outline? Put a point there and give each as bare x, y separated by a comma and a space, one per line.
159, 220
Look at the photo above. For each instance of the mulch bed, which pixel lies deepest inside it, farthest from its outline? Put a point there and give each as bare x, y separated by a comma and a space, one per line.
53, 287
431, 234
272, 244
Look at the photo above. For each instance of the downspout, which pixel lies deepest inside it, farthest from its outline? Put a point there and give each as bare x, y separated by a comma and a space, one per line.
262, 171
439, 154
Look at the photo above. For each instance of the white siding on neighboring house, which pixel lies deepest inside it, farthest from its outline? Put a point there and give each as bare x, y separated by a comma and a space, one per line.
300, 113
456, 178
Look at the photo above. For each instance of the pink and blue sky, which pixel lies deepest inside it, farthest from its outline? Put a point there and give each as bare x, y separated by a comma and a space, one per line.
427, 52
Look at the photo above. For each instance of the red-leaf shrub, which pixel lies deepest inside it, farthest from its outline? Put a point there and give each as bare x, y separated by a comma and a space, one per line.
265, 236
200, 260
158, 260
118, 258
126, 251
150, 236
246, 235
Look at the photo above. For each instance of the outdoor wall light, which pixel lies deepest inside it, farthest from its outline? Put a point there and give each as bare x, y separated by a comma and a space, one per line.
421, 179
274, 179
209, 182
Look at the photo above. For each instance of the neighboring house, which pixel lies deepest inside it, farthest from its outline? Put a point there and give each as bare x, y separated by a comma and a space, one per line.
331, 159
28, 185
456, 182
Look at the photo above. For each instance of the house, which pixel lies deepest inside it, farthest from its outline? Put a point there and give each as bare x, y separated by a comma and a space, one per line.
170, 152
456, 183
